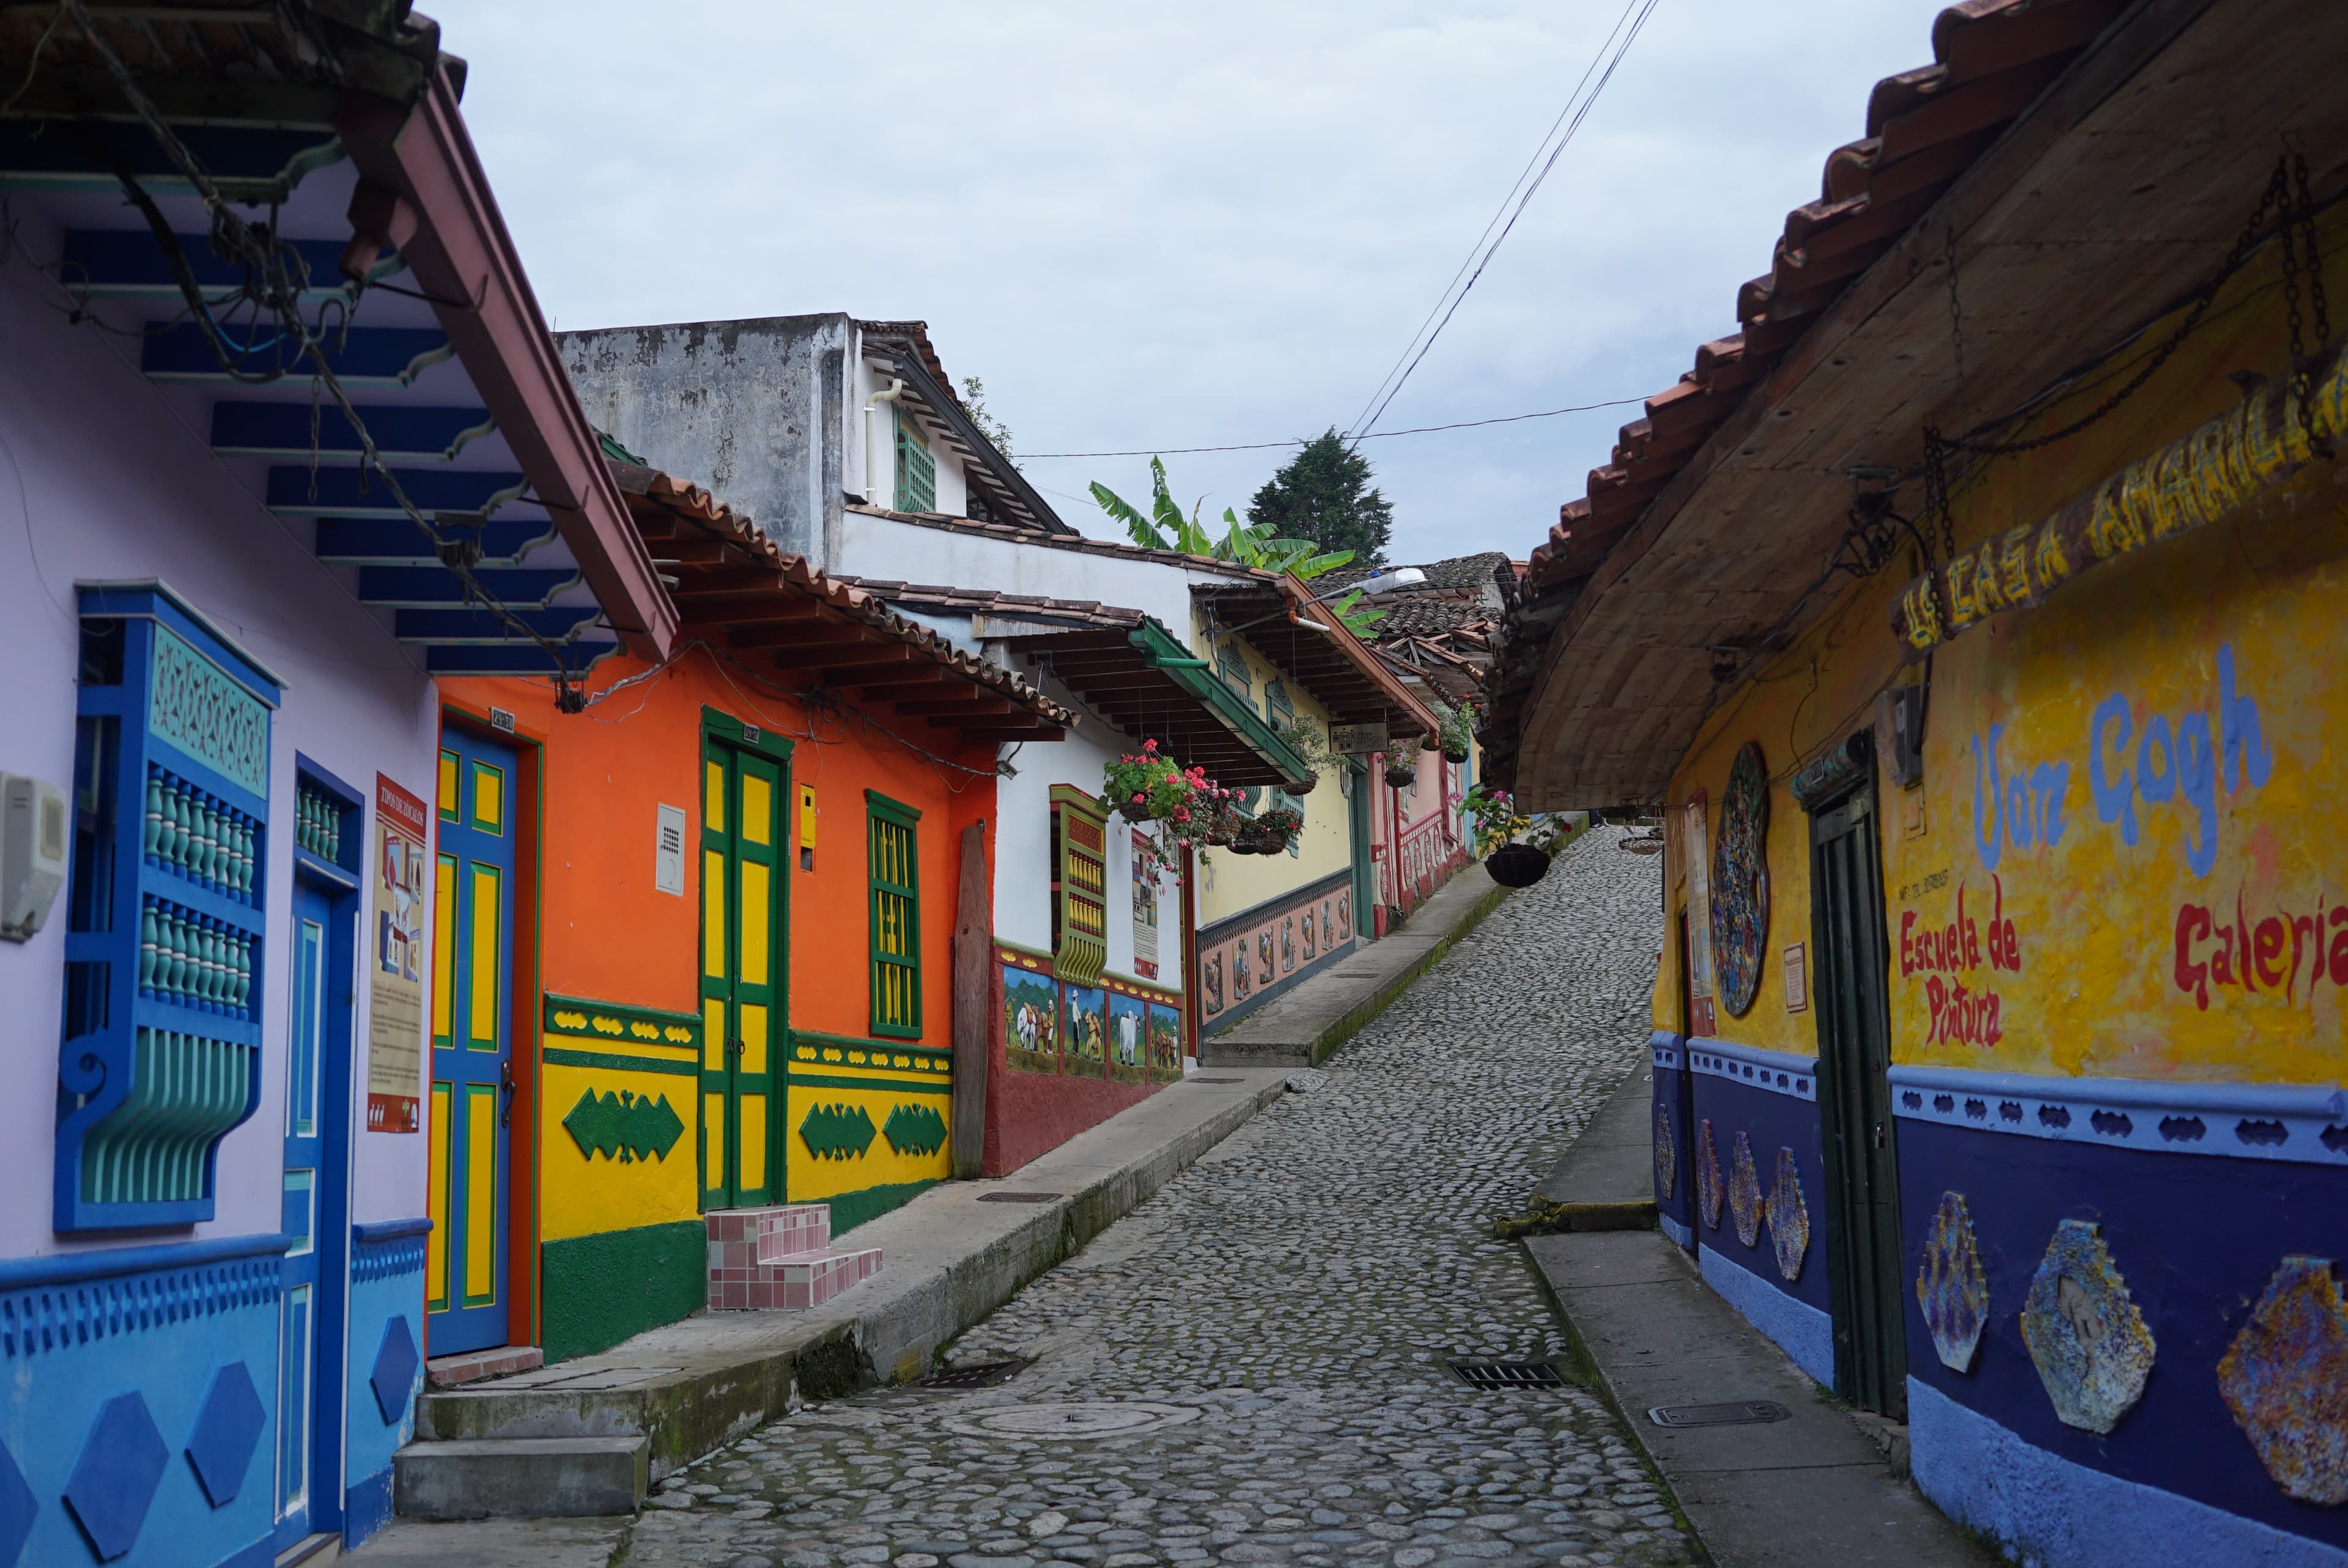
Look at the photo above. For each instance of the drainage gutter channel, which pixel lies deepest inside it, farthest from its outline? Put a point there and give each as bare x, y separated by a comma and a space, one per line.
953, 1255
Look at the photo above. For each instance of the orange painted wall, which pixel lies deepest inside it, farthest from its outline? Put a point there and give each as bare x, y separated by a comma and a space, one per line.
607, 935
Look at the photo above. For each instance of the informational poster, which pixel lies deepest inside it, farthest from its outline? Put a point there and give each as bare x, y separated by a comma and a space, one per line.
1699, 915
398, 958
1145, 913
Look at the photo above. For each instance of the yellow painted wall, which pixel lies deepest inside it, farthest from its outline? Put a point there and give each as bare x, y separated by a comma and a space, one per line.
2081, 952
877, 1080
1231, 883
583, 1194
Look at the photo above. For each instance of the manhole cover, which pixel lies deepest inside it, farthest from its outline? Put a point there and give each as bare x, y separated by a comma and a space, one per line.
1020, 1197
1194, 1078
1506, 1374
1738, 1413
1123, 1419
974, 1375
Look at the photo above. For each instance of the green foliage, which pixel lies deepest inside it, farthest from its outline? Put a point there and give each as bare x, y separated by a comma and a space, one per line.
974, 402
837, 1132
914, 1130
1323, 495
1165, 528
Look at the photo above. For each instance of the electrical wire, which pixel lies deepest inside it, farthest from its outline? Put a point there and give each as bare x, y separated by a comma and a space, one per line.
1469, 259
1377, 435
1646, 9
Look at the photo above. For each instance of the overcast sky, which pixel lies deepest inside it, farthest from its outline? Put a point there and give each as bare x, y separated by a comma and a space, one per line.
1194, 225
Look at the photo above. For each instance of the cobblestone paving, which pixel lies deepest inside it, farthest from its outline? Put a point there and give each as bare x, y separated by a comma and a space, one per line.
1288, 1301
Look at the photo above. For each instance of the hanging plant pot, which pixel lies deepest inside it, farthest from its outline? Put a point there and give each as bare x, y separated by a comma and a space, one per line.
1400, 778
1455, 755
1136, 811
1306, 787
1517, 865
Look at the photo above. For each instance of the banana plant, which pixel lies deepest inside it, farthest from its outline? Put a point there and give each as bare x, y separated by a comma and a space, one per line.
1251, 545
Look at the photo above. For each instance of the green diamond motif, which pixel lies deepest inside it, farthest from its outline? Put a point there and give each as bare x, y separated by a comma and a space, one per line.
914, 1130
623, 1126
837, 1132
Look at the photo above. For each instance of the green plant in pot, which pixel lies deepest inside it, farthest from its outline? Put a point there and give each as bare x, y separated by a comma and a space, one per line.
1402, 767
1458, 732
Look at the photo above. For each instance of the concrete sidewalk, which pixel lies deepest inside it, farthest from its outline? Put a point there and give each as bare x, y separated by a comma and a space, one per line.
585, 1437
1306, 1026
1809, 1489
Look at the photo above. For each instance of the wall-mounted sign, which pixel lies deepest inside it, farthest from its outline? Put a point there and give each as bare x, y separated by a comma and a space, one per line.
1353, 740
398, 960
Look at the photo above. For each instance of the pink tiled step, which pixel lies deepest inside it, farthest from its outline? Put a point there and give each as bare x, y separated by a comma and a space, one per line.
779, 1258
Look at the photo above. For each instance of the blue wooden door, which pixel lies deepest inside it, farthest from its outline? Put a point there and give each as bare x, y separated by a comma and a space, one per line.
318, 1141
472, 1053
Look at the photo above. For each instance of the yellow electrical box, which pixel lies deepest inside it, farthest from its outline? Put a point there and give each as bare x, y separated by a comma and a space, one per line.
806, 826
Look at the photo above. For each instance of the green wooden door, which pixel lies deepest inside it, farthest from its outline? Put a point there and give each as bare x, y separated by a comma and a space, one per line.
743, 973
1862, 1154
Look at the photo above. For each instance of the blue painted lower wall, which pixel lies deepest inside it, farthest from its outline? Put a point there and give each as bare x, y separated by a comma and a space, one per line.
2195, 1237
1801, 1331
387, 1320
2052, 1513
117, 1365
1674, 1139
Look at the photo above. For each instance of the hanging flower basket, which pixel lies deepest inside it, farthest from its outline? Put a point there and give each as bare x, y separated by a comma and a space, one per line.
1517, 865
1280, 827
1222, 824
1400, 777
1147, 786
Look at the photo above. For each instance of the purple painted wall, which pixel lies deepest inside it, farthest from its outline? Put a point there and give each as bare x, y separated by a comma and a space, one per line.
101, 477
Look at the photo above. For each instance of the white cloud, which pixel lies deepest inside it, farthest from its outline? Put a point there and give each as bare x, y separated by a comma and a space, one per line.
1186, 226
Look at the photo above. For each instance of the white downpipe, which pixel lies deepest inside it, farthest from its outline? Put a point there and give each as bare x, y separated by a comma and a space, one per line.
873, 448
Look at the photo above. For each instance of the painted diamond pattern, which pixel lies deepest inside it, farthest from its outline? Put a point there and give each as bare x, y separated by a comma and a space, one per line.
1951, 1286
1667, 1154
1745, 1193
18, 1508
837, 1132
1789, 1217
2285, 1378
1708, 1174
394, 1377
2086, 1336
914, 1130
227, 1432
114, 1481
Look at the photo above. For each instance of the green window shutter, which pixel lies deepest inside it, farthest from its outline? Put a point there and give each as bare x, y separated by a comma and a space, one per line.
1079, 886
1278, 711
893, 869
917, 472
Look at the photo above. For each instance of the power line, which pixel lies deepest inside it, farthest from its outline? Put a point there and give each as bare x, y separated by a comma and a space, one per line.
1379, 435
1646, 9
1522, 175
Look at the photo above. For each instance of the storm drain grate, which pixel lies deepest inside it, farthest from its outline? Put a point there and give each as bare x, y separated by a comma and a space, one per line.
1020, 1197
974, 1375
1506, 1374
1194, 1078
1737, 1413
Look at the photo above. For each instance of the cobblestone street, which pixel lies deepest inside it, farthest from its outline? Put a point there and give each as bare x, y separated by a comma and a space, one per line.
1274, 1323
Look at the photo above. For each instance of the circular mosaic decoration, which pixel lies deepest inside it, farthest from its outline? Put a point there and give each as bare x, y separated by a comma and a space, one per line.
1667, 1154
1123, 1418
1740, 881
1744, 1198
1789, 1218
1707, 1175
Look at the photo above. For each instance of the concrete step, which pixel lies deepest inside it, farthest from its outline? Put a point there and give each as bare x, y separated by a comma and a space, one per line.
538, 1478
312, 1550
474, 1366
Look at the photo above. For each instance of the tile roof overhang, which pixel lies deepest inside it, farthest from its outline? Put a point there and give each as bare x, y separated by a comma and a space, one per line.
288, 106
905, 348
2041, 122
1130, 669
1015, 533
801, 629
1343, 674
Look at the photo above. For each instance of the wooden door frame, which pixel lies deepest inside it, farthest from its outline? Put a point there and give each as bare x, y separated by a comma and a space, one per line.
527, 816
760, 741
1845, 1202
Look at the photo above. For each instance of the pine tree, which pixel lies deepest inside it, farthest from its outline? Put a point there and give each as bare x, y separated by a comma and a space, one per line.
1323, 494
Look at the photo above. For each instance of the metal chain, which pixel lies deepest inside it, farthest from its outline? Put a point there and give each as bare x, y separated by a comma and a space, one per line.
2277, 200
2300, 252
1936, 496
1956, 326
